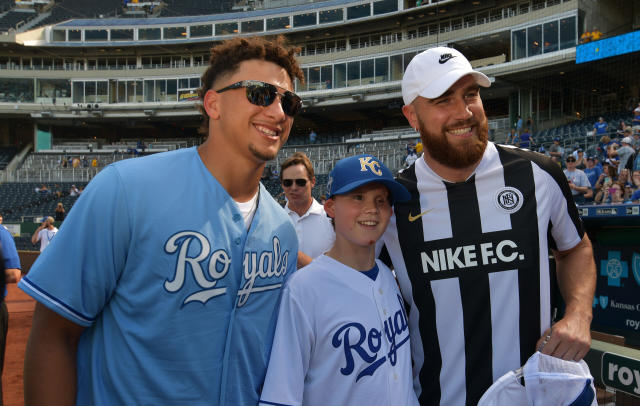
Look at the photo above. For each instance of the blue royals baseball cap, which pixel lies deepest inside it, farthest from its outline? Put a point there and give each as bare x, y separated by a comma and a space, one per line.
355, 171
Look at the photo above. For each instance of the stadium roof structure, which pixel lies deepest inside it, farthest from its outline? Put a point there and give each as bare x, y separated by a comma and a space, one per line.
208, 18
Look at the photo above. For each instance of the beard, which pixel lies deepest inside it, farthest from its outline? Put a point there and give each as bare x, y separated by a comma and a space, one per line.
462, 156
261, 155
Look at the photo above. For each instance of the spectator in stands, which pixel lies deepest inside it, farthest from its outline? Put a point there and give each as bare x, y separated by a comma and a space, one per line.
608, 176
621, 127
85, 162
75, 162
612, 155
312, 137
44, 233
578, 181
624, 179
512, 137
313, 227
580, 159
57, 192
625, 152
635, 121
601, 127
11, 271
60, 212
518, 125
410, 158
556, 152
603, 145
1, 219
526, 139
592, 171
73, 191
94, 162
633, 163
178, 259
529, 124
635, 189
612, 194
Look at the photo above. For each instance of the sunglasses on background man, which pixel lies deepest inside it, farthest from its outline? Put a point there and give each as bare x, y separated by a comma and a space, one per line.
289, 182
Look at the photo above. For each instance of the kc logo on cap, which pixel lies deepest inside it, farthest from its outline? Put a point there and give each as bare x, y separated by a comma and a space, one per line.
367, 162
350, 173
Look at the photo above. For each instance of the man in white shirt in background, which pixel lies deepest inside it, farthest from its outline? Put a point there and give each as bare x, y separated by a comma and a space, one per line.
313, 227
44, 233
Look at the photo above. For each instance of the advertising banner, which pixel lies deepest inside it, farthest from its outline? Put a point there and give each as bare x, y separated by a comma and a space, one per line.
616, 305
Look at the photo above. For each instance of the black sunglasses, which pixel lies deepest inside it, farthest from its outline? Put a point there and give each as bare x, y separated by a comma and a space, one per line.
263, 94
571, 160
289, 182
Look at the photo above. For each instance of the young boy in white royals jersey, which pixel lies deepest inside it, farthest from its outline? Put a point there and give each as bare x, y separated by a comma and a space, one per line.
342, 334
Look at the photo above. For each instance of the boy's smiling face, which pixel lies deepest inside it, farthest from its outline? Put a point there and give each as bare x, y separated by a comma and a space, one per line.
360, 216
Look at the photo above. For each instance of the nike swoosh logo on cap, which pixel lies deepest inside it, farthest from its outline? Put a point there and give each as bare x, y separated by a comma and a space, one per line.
414, 218
445, 57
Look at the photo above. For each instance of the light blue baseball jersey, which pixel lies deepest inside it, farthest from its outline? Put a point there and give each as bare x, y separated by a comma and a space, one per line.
178, 298
342, 339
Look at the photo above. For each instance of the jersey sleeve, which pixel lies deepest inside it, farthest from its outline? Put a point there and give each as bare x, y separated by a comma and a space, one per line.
566, 227
290, 355
78, 272
9, 252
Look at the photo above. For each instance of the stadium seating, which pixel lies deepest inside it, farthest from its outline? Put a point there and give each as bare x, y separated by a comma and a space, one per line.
20, 201
6, 155
194, 7
14, 17
68, 9
6, 5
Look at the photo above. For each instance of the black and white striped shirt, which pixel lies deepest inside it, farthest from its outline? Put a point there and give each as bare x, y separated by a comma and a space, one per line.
472, 262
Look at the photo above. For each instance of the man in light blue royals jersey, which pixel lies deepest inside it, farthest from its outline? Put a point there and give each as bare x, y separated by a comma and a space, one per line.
162, 286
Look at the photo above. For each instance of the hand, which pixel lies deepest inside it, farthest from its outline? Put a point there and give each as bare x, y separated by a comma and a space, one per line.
569, 339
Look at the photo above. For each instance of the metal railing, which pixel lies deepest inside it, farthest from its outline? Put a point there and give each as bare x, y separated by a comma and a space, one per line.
49, 175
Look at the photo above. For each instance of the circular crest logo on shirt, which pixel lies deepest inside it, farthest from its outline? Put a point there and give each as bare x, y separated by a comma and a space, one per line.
509, 199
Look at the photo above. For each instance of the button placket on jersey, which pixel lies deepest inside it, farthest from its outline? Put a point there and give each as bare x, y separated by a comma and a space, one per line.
384, 310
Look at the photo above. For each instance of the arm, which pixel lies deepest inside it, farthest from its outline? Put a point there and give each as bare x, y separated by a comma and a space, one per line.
581, 189
50, 359
290, 359
36, 237
12, 275
571, 336
303, 259
598, 184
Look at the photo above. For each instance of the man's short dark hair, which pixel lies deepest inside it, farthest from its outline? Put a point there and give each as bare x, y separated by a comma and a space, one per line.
227, 56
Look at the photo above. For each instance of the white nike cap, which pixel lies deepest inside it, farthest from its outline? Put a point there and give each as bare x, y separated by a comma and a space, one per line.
432, 72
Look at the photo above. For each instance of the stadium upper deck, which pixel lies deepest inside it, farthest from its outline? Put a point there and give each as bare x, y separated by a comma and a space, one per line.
136, 73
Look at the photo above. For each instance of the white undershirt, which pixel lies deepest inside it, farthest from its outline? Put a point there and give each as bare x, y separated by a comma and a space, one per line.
248, 209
